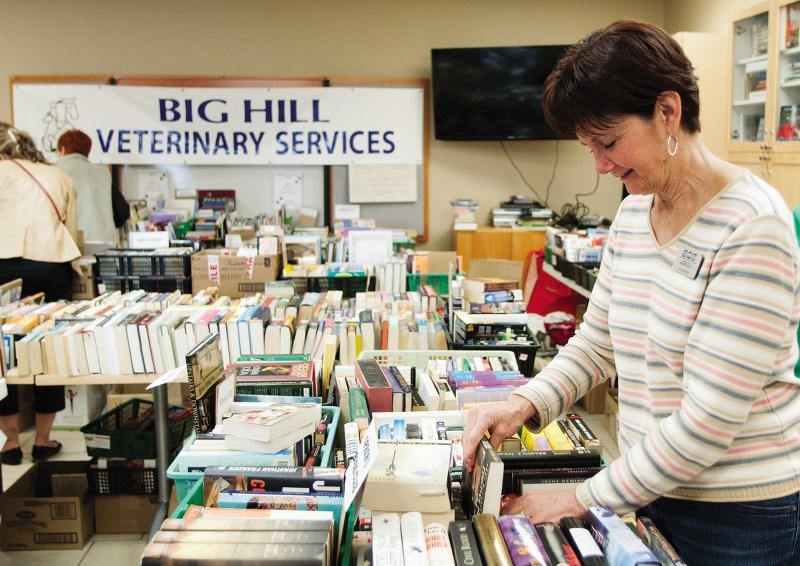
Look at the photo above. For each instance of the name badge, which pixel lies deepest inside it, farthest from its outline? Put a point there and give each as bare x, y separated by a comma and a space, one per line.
688, 263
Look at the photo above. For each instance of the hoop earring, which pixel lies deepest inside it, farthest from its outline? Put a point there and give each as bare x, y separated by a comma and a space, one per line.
672, 149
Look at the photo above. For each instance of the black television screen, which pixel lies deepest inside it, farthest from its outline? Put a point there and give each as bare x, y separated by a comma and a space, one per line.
491, 93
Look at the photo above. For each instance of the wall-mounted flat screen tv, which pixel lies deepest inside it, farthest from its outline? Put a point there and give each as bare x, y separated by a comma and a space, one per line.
491, 93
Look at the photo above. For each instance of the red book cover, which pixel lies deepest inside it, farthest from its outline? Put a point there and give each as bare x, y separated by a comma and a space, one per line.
376, 388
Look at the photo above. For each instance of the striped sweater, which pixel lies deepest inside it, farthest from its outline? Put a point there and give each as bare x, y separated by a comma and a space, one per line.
709, 407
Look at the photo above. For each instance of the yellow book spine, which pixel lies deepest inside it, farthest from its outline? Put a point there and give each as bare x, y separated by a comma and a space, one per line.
558, 440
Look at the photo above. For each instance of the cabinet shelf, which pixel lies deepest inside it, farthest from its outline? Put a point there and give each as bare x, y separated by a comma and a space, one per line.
13, 377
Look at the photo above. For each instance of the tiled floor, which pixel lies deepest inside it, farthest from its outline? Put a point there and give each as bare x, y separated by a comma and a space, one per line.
126, 550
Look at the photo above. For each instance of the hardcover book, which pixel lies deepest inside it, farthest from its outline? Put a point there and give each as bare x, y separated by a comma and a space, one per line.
387, 540
438, 545
656, 541
158, 554
376, 388
618, 542
273, 420
204, 371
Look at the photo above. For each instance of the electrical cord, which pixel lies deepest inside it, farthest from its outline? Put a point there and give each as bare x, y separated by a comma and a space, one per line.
521, 176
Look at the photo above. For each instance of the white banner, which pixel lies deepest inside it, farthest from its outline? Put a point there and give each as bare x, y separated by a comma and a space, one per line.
227, 126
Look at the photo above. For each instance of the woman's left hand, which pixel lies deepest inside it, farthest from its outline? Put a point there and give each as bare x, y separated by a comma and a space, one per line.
546, 506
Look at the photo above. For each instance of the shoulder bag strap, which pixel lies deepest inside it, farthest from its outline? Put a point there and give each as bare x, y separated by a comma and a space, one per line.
55, 207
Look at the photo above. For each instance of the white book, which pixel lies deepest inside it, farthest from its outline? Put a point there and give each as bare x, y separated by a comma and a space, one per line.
311, 336
89, 338
134, 347
272, 338
344, 349
394, 333
415, 553
387, 540
440, 553
147, 351
243, 327
300, 337
36, 354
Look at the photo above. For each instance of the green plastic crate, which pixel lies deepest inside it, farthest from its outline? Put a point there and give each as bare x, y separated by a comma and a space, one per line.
439, 281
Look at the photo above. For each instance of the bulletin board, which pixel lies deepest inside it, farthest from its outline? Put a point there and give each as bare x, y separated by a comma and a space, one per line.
405, 213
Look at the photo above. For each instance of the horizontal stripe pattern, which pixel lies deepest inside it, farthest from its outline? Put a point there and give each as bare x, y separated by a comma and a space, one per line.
709, 407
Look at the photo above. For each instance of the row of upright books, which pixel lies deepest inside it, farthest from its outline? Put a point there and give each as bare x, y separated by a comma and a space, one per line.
139, 332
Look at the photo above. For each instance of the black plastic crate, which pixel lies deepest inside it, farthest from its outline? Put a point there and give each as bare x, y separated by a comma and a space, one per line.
123, 480
166, 284
350, 285
128, 431
144, 263
111, 263
122, 284
525, 353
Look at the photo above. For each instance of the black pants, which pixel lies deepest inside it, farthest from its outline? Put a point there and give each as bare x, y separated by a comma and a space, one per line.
55, 280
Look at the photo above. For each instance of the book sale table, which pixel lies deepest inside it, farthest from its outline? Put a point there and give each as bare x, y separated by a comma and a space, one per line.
161, 409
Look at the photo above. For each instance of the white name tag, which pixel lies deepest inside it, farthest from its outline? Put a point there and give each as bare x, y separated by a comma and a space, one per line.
688, 262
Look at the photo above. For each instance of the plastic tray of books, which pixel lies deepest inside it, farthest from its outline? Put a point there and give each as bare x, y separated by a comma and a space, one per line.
128, 431
185, 480
439, 281
420, 358
193, 495
524, 354
122, 481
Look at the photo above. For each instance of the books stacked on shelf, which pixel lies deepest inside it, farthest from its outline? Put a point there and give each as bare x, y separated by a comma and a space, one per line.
491, 295
505, 216
792, 38
788, 126
464, 214
244, 536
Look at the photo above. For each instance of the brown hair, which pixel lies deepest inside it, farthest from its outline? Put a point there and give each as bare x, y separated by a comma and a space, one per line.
18, 144
617, 71
75, 141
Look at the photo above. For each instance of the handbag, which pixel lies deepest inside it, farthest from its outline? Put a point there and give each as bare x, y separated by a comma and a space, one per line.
119, 207
47, 194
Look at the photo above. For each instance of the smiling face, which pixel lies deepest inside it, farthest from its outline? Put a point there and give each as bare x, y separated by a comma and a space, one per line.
631, 149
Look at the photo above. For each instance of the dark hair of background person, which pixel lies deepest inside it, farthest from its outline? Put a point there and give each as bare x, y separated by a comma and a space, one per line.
617, 71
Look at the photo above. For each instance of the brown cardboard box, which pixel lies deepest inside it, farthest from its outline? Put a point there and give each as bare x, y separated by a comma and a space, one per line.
234, 276
594, 401
502, 268
177, 394
83, 285
35, 520
124, 513
612, 412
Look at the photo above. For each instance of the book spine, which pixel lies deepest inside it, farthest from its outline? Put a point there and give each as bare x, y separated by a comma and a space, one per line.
387, 544
522, 541
234, 554
582, 542
242, 536
491, 541
556, 544
654, 539
582, 431
619, 543
377, 390
558, 440
413, 535
438, 545
464, 543
562, 424
301, 480
191, 367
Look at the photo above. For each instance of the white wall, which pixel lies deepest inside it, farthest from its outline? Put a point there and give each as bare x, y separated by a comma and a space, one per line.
367, 38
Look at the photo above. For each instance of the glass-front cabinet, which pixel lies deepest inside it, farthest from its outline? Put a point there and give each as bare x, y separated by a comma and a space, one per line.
764, 90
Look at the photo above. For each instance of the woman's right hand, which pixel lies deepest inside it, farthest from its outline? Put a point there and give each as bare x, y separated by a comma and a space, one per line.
501, 420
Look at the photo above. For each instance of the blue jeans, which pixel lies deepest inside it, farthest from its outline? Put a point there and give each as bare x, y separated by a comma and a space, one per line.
749, 533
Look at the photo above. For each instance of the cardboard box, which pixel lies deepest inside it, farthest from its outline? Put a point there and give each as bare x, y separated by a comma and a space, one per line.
115, 514
502, 268
234, 276
612, 412
594, 402
35, 520
177, 394
83, 284
84, 404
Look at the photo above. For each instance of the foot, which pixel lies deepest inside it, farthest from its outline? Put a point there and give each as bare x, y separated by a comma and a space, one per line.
12, 456
45, 452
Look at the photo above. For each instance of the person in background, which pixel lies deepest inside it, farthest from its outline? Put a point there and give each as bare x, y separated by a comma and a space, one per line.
695, 311
93, 185
37, 244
